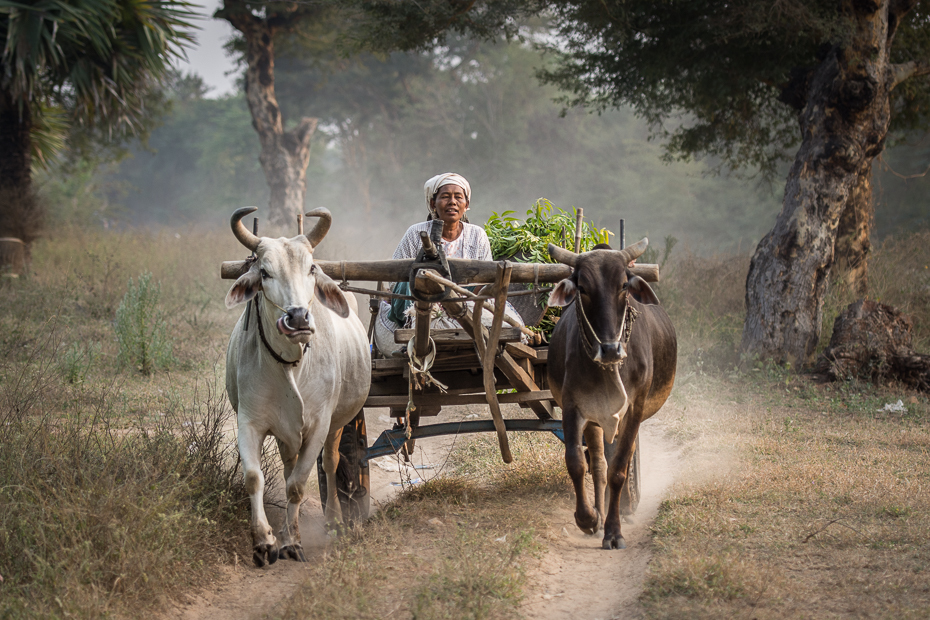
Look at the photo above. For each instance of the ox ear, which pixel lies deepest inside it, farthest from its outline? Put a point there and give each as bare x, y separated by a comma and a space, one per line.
562, 294
331, 295
642, 292
245, 288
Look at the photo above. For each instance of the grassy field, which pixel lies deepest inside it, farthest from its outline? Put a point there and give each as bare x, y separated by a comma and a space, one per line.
120, 489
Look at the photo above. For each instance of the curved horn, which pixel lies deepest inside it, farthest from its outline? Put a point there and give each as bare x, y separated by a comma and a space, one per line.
322, 226
242, 234
634, 251
561, 255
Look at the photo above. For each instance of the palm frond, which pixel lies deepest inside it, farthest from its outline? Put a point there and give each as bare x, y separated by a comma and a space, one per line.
101, 58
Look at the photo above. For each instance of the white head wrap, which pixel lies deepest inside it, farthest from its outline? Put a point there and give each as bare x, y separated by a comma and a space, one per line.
446, 178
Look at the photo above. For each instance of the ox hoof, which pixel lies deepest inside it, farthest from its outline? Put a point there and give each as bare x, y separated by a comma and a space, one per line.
263, 551
588, 525
614, 542
293, 552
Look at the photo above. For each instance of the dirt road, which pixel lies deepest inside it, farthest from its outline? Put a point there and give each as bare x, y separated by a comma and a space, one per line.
575, 578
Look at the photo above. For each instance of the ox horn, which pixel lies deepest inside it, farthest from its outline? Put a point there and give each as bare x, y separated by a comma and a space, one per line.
242, 234
632, 252
322, 226
561, 255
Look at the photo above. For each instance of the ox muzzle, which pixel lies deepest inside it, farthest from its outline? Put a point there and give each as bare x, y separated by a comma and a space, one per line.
609, 353
297, 321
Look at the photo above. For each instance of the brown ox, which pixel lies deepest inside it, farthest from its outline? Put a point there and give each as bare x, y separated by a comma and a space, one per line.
611, 366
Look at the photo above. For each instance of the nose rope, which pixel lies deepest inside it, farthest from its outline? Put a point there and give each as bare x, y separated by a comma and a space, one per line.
282, 309
261, 333
285, 311
626, 331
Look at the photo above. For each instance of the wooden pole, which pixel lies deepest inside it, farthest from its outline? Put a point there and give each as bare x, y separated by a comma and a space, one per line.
466, 271
502, 282
579, 223
254, 232
300, 223
622, 234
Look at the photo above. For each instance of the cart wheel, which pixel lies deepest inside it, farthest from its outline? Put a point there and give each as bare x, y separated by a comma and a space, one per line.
353, 485
629, 494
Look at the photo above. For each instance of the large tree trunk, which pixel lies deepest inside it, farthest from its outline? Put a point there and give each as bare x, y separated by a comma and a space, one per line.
843, 125
853, 245
15, 144
20, 212
285, 154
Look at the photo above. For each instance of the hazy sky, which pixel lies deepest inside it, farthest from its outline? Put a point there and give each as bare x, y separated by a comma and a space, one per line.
208, 59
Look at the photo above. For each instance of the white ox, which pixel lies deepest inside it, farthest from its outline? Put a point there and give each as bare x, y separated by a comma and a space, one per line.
295, 369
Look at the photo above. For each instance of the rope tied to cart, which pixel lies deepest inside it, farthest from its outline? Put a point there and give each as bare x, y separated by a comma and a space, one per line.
420, 368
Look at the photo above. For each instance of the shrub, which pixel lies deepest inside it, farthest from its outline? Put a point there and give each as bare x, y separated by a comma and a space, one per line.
141, 328
76, 361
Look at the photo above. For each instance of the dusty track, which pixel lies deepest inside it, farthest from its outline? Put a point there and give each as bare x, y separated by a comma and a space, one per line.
575, 578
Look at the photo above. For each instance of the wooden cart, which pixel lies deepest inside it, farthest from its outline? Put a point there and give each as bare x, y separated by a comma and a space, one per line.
474, 364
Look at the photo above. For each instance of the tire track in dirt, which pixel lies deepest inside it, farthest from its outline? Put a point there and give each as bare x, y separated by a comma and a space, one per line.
574, 579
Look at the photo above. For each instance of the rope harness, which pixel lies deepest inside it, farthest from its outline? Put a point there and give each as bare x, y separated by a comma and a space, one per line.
626, 331
261, 333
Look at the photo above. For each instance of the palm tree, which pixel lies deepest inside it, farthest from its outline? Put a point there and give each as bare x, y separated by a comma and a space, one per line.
88, 63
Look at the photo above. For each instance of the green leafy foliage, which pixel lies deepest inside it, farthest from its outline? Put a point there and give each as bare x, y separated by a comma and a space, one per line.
77, 361
109, 53
141, 328
527, 241
739, 69
201, 161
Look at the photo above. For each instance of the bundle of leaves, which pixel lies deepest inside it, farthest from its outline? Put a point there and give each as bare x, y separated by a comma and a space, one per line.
527, 241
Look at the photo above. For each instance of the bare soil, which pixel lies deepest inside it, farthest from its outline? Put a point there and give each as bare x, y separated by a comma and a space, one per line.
575, 578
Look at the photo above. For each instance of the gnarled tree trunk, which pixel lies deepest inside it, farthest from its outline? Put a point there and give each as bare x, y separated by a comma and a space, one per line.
285, 154
853, 245
844, 122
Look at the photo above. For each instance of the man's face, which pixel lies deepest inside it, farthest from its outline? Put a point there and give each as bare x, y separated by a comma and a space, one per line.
450, 204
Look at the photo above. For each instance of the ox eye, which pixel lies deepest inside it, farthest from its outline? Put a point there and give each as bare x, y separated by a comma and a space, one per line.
264, 274
625, 286
312, 270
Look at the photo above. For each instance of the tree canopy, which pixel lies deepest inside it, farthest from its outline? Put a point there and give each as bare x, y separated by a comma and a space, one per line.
93, 64
735, 73
96, 60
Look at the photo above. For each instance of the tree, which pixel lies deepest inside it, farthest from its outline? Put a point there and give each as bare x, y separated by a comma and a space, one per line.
89, 64
745, 73
284, 153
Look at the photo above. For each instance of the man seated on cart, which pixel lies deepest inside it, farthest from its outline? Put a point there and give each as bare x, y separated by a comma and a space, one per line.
448, 196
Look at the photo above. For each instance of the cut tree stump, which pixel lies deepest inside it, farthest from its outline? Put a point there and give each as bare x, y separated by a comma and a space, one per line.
12, 256
873, 341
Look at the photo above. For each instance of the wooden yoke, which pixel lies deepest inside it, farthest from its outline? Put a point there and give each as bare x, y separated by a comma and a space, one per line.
466, 271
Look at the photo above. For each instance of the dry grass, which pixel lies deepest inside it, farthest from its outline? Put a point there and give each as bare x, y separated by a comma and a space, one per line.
796, 500
899, 275
117, 488
820, 509
455, 547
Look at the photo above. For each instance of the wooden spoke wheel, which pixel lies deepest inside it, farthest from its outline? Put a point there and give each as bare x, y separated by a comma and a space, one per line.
353, 486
